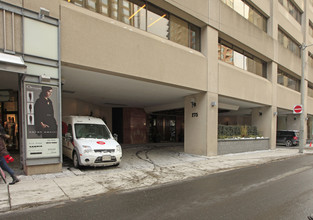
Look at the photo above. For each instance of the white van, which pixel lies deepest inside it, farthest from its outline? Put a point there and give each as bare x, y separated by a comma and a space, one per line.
88, 142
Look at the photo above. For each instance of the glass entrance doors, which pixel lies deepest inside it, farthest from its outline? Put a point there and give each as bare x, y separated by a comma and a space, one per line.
9, 119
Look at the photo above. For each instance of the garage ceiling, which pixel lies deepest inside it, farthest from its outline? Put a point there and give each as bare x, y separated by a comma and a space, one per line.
115, 91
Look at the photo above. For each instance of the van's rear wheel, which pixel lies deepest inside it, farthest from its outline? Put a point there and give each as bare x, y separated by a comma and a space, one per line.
288, 143
75, 160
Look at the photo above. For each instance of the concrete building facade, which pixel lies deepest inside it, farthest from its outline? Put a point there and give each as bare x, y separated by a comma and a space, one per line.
158, 70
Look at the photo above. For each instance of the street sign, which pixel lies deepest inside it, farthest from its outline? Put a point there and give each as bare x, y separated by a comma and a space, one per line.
297, 109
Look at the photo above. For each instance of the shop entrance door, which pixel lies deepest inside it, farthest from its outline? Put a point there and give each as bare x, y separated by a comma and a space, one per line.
9, 118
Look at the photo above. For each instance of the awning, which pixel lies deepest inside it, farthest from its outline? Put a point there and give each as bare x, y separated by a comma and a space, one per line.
12, 63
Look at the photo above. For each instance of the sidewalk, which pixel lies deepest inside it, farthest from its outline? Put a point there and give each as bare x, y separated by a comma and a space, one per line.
143, 166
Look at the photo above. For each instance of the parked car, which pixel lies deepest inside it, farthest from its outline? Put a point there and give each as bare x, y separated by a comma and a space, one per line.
88, 142
287, 137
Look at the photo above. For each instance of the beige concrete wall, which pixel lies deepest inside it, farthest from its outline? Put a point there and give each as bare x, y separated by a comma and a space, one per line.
77, 107
310, 74
284, 102
18, 3
18, 30
98, 42
264, 6
209, 47
310, 105
197, 8
51, 5
293, 122
237, 83
234, 26
201, 130
265, 121
289, 24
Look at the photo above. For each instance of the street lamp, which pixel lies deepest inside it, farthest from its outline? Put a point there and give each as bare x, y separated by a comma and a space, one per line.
302, 90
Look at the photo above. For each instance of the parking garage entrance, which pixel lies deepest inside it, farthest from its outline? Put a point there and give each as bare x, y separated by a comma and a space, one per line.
166, 126
135, 126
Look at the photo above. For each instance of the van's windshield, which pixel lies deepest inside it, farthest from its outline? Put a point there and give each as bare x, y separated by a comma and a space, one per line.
92, 131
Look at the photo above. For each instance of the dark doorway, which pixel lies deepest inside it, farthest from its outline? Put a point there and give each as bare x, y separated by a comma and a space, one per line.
9, 118
166, 126
117, 123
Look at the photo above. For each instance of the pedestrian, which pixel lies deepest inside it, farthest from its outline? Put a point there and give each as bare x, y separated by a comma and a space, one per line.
4, 152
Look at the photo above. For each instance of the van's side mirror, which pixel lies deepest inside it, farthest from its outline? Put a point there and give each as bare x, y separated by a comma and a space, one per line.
115, 136
68, 137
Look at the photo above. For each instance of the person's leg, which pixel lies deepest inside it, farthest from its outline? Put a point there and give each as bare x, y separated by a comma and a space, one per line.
5, 167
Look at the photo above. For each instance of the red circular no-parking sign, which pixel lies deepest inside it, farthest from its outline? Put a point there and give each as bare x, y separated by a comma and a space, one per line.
297, 109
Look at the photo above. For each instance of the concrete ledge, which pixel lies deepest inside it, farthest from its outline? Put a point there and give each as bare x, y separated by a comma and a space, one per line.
42, 169
229, 146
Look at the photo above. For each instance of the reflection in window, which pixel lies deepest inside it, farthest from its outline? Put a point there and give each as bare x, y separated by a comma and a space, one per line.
287, 80
157, 22
288, 43
310, 59
194, 38
239, 58
103, 7
311, 28
78, 2
179, 31
310, 90
145, 16
248, 12
138, 16
91, 5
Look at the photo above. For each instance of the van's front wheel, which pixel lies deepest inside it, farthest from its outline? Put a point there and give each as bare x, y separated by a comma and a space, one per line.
75, 160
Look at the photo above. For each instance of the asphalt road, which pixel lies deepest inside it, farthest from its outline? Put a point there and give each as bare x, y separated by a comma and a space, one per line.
278, 190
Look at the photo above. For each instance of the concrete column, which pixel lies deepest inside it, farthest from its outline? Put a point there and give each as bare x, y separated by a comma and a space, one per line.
201, 121
264, 119
201, 124
273, 111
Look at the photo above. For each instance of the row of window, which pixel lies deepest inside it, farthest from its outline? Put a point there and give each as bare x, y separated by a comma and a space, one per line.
248, 12
240, 58
230, 54
292, 9
255, 17
287, 80
145, 16
289, 43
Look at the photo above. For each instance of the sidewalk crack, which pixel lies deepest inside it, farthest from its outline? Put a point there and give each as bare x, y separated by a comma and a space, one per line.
62, 190
9, 196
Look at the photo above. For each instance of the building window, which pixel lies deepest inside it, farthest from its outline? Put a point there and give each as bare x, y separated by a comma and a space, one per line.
292, 9
311, 28
248, 12
157, 21
145, 16
289, 43
310, 59
229, 53
287, 80
310, 90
